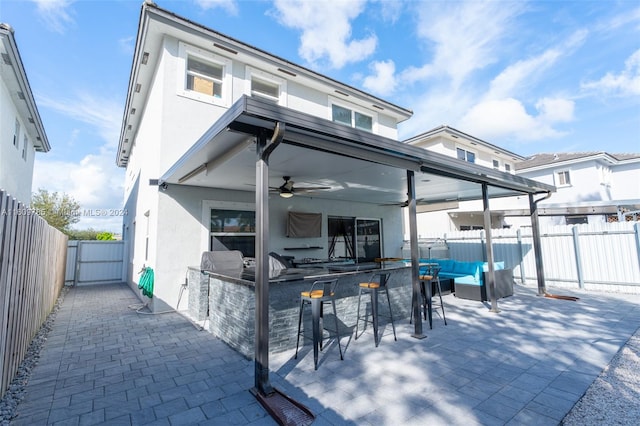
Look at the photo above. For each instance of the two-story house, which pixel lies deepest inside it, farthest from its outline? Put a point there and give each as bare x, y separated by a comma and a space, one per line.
184, 78
457, 214
228, 147
21, 129
591, 186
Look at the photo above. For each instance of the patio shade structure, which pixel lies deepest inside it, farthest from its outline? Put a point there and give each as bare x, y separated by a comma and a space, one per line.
256, 139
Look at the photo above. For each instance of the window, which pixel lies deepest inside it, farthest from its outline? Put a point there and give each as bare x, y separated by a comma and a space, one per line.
507, 168
562, 178
576, 220
466, 155
496, 164
266, 86
204, 78
25, 142
16, 134
233, 230
207, 76
352, 117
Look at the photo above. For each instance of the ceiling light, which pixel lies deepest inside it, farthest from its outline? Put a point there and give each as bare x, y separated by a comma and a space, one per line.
285, 194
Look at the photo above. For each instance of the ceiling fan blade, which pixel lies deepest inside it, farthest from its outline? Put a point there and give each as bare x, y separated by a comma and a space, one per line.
310, 188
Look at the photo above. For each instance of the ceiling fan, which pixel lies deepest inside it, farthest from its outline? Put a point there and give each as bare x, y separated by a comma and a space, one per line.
287, 190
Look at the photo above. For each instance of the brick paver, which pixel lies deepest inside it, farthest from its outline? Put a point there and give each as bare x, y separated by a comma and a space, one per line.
103, 363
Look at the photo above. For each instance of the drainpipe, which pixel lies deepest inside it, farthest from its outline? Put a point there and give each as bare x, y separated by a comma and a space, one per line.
537, 247
261, 362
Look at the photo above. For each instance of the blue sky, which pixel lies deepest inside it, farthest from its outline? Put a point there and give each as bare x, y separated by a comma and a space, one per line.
538, 76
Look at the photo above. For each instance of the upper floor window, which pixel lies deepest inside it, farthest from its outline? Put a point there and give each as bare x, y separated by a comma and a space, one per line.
507, 168
266, 86
204, 77
465, 155
563, 178
496, 164
207, 76
352, 117
16, 134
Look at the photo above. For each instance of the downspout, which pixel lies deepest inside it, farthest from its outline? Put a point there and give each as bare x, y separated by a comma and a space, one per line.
537, 247
261, 362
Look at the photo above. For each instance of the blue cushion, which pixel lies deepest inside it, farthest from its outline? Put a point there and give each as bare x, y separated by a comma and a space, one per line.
467, 279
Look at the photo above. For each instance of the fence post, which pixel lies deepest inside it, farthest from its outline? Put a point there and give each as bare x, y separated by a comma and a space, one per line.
576, 246
521, 254
483, 245
78, 257
636, 231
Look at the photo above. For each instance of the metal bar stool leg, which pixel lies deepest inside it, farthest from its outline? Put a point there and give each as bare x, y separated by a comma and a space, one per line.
299, 326
441, 303
315, 314
391, 316
358, 314
374, 314
335, 314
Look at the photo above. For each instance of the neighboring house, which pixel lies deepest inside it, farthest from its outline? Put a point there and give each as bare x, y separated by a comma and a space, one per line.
21, 129
184, 77
591, 186
455, 214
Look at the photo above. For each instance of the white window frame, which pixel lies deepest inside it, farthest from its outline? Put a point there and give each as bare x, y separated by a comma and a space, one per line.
466, 155
184, 51
508, 168
495, 163
251, 73
207, 205
354, 109
556, 177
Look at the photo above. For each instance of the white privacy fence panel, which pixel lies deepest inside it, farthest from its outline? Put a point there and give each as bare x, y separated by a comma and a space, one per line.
96, 262
603, 254
607, 255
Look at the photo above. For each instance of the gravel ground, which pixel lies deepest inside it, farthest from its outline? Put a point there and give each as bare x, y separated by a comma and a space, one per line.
612, 399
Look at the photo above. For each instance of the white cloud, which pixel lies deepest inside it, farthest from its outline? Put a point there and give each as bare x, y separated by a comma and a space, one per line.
326, 38
55, 14
555, 110
626, 83
102, 113
229, 5
383, 81
94, 181
525, 72
464, 37
508, 118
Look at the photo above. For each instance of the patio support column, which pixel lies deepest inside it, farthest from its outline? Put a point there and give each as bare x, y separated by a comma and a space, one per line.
261, 359
415, 267
491, 273
537, 246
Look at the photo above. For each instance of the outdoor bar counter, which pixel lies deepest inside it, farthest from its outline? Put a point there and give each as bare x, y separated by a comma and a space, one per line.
227, 299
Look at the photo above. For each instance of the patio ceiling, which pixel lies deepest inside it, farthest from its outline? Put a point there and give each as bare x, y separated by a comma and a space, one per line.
356, 165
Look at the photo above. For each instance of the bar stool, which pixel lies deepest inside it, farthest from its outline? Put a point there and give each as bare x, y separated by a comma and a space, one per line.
321, 292
375, 289
430, 276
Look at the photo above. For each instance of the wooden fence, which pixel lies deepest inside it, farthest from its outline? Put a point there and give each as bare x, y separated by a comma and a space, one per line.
32, 263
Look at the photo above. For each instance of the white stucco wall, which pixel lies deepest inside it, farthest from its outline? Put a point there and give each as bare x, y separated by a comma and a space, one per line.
16, 173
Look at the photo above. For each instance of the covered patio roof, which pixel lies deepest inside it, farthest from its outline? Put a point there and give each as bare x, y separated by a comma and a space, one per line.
357, 165
256, 142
